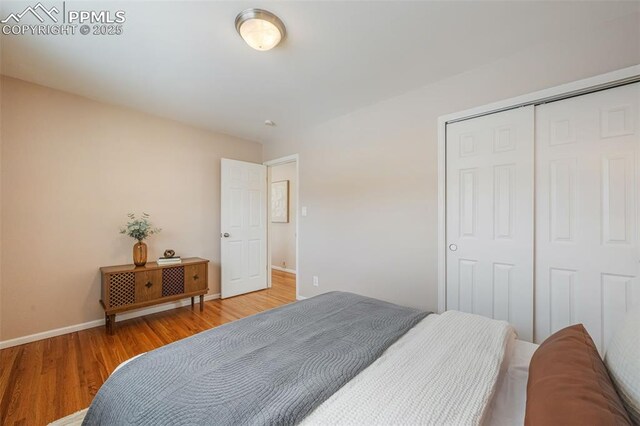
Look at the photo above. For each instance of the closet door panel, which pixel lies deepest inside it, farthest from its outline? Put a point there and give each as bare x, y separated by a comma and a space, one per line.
587, 248
490, 217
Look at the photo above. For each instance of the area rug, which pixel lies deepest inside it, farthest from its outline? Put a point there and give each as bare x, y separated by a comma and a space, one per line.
74, 419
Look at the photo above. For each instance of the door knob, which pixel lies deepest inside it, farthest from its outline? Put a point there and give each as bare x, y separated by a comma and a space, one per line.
453, 247
226, 235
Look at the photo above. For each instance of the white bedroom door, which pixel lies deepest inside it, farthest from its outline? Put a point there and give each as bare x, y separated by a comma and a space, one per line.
243, 227
587, 249
489, 195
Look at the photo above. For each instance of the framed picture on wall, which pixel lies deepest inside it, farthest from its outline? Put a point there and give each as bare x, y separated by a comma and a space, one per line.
280, 202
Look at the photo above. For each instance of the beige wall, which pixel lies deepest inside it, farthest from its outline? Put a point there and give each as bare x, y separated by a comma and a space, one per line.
1, 122
369, 178
283, 235
71, 169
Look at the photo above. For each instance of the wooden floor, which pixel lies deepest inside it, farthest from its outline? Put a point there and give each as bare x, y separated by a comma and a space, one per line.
45, 380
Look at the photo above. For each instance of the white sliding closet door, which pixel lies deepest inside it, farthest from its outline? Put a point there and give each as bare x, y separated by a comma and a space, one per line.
587, 197
490, 217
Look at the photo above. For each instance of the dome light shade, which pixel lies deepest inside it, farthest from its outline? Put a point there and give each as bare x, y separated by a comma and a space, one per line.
261, 29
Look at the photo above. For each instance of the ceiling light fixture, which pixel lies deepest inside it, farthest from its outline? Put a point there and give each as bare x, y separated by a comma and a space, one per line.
261, 29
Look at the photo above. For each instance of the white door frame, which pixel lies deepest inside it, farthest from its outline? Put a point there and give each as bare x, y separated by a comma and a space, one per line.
294, 158
580, 87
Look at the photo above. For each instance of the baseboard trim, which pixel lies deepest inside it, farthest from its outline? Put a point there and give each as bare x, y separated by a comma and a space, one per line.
278, 268
298, 297
97, 323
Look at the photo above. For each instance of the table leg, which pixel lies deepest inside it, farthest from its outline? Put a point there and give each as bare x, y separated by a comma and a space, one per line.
192, 301
110, 322
201, 302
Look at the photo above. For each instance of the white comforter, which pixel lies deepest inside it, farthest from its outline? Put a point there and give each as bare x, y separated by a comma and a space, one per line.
444, 371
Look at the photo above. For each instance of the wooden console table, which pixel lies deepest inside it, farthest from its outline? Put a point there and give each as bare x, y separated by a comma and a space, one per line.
129, 287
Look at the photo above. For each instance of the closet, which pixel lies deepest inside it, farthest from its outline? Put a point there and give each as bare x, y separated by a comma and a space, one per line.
542, 214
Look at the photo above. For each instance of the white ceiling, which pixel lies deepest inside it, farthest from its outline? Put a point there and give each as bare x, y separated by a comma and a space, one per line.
184, 60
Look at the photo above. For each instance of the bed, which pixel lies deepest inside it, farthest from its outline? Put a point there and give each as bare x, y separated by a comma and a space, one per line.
385, 365
508, 403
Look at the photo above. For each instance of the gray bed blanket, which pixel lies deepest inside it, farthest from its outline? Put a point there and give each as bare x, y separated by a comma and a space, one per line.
271, 368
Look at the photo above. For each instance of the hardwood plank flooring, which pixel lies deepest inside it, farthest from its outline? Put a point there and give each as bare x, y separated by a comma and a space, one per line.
45, 380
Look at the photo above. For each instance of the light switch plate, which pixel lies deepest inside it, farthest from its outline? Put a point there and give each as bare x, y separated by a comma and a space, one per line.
303, 211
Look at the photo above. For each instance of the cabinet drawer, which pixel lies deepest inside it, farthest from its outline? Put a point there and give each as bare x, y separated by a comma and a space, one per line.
121, 289
148, 285
195, 277
172, 281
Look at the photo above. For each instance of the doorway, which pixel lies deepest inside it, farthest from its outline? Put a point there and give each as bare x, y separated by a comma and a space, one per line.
283, 223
